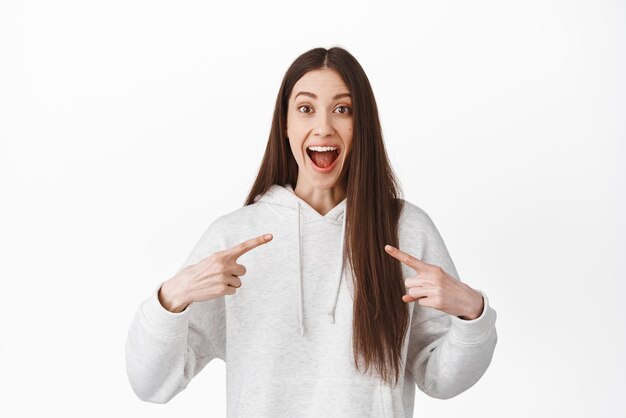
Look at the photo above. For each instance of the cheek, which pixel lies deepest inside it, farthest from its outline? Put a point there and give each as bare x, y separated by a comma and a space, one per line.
296, 149
295, 132
347, 128
348, 138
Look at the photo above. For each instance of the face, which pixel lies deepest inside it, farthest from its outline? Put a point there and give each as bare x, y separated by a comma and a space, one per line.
320, 114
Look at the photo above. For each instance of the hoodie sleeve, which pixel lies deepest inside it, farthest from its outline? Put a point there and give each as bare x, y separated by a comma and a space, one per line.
447, 355
165, 350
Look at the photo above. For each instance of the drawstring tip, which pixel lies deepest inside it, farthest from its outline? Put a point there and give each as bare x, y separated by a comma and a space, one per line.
331, 317
301, 332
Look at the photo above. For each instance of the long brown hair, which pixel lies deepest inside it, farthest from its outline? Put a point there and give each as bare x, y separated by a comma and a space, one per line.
374, 203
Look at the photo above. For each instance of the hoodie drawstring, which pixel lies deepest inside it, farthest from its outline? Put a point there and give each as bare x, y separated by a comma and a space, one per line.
331, 312
300, 275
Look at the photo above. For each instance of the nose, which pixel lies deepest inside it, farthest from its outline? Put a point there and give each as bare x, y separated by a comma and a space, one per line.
323, 127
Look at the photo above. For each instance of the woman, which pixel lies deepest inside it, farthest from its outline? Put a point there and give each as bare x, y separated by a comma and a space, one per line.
330, 318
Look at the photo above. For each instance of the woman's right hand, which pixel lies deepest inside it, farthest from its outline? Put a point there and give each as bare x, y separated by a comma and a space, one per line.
216, 275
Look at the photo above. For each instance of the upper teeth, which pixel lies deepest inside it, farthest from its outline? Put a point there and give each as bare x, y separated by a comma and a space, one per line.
317, 148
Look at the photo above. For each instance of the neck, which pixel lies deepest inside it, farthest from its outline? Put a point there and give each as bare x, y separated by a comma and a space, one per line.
322, 200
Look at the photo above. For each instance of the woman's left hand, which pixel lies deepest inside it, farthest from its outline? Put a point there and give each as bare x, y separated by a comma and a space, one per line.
436, 289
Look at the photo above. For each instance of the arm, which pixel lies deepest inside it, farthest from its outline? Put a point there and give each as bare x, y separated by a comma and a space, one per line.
165, 350
446, 354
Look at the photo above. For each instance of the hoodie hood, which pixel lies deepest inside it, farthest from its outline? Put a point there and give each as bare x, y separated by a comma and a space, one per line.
285, 199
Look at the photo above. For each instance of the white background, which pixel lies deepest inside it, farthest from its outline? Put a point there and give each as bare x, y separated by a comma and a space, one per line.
126, 127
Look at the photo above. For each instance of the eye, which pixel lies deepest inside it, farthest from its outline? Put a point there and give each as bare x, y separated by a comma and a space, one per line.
347, 109
304, 106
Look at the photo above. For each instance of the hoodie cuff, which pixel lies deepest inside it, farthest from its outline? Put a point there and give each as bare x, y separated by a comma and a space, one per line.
474, 331
163, 322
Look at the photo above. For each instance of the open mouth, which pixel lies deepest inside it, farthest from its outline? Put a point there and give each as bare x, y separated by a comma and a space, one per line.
323, 158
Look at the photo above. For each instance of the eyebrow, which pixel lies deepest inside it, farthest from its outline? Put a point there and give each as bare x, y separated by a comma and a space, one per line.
314, 96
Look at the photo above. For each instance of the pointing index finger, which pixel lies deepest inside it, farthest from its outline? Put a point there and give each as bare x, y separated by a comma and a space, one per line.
240, 249
407, 259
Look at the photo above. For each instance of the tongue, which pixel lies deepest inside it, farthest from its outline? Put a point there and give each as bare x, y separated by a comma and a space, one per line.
323, 158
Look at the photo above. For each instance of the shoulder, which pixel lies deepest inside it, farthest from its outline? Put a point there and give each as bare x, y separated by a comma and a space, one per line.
417, 231
235, 217
241, 221
414, 217
224, 231
419, 236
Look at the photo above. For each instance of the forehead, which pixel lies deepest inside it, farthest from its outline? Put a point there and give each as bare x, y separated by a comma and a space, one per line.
322, 82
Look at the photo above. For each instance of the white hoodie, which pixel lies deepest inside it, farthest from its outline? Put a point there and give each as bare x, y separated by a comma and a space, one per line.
286, 335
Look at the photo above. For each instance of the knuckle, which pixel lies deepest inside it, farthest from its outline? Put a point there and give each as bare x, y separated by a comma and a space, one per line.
220, 265
215, 258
